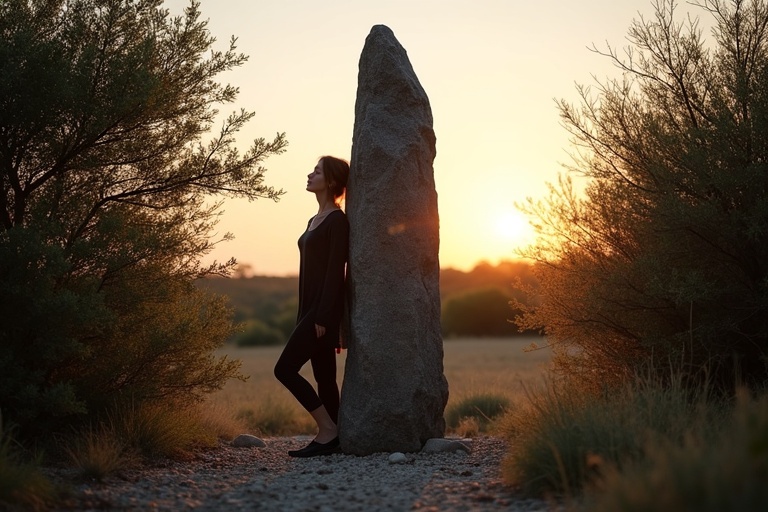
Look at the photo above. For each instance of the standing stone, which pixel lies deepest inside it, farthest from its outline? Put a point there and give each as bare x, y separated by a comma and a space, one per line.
394, 390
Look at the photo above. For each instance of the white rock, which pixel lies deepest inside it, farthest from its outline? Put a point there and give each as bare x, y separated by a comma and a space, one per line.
440, 445
248, 441
397, 458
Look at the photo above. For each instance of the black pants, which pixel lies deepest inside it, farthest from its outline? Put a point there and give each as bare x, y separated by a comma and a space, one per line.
303, 346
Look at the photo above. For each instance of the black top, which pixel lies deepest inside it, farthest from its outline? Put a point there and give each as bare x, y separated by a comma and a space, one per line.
324, 251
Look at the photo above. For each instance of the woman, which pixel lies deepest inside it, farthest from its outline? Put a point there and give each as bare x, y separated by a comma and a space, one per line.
323, 248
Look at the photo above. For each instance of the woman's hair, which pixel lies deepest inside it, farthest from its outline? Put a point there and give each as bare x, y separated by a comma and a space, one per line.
336, 173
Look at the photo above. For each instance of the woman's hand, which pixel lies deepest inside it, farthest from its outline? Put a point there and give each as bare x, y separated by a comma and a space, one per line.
319, 330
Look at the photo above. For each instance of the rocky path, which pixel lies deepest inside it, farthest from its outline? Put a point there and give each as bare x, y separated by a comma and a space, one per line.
267, 479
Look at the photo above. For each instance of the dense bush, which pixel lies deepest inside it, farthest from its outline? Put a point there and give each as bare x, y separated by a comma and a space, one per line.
664, 255
73, 345
257, 333
484, 312
106, 210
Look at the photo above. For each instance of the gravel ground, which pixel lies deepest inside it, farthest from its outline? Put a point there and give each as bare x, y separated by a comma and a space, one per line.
267, 479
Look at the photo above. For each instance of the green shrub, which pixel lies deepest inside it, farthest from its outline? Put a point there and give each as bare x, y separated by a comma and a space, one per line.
257, 333
729, 474
117, 198
72, 347
482, 407
483, 312
564, 438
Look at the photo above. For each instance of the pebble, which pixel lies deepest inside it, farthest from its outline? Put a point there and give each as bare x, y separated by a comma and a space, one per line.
229, 478
397, 458
440, 445
248, 441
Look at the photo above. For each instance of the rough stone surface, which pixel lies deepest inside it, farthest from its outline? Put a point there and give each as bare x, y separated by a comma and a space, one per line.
394, 390
248, 441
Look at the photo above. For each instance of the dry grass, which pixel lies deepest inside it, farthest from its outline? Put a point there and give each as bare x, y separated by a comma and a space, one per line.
22, 485
472, 366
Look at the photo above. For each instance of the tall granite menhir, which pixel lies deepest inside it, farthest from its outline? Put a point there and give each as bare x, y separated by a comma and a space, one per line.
394, 390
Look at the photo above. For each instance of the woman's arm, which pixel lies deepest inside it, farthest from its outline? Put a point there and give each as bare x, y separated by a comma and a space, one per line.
333, 284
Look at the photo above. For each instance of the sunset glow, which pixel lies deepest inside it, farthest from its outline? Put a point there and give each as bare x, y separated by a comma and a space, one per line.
513, 227
491, 68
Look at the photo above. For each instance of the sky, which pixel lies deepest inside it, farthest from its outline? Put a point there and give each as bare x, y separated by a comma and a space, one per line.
492, 70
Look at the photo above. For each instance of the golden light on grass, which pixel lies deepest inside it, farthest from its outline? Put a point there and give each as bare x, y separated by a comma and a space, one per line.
473, 366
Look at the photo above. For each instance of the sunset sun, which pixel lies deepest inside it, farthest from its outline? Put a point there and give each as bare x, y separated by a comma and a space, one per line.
512, 228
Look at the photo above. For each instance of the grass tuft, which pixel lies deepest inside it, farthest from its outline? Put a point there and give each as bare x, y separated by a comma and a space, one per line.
276, 418
162, 430
22, 485
478, 410
97, 452
564, 440
730, 473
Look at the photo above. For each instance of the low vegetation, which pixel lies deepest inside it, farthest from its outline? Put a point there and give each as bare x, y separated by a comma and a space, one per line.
475, 413
22, 485
705, 473
649, 445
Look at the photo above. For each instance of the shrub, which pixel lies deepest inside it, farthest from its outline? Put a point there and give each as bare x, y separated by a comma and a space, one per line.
108, 105
663, 253
257, 333
564, 438
730, 474
483, 408
483, 312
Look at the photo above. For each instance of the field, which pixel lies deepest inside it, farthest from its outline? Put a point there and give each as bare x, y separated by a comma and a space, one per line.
484, 365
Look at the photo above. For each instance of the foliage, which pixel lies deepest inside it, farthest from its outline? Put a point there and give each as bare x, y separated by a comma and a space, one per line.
105, 207
257, 333
262, 304
564, 437
729, 474
484, 408
483, 312
664, 255
509, 276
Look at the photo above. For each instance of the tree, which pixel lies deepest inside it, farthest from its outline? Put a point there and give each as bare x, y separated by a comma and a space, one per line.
104, 213
663, 259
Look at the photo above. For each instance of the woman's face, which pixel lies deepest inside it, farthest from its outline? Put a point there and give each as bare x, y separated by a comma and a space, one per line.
316, 181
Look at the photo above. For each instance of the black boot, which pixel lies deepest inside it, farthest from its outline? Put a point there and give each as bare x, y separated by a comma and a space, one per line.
315, 449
